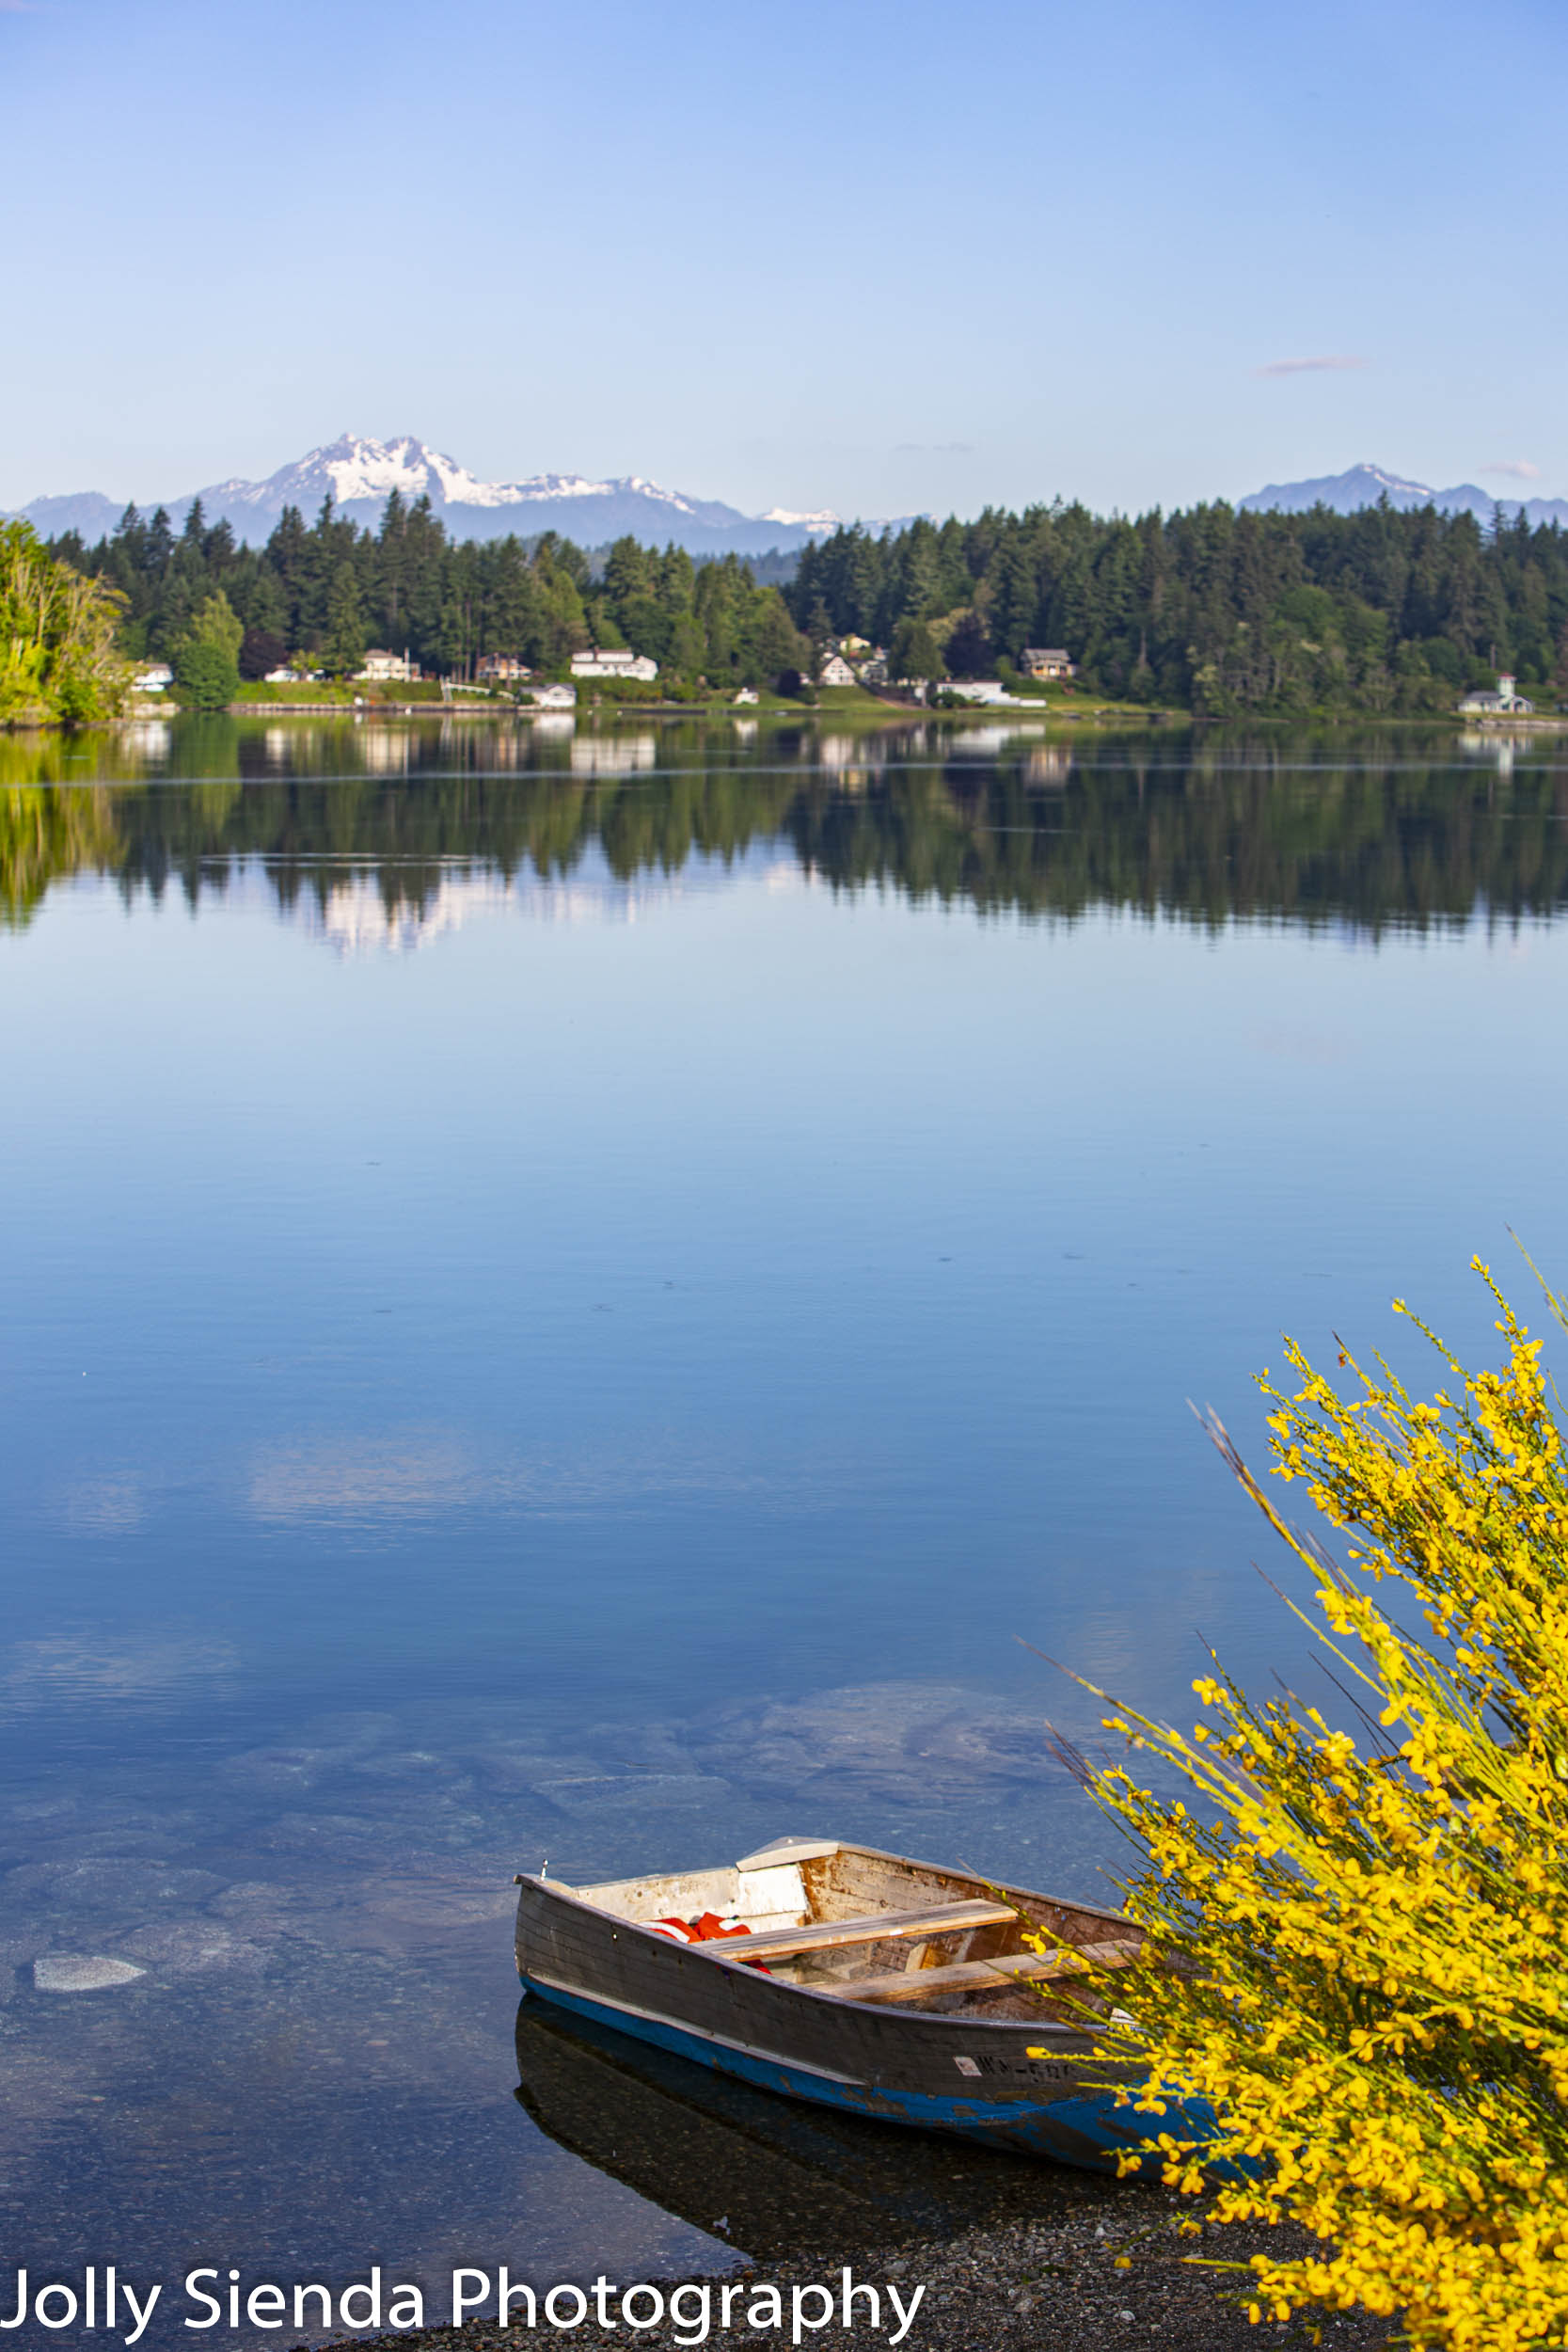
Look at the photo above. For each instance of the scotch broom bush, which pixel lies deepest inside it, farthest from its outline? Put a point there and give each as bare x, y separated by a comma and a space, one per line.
1359, 1945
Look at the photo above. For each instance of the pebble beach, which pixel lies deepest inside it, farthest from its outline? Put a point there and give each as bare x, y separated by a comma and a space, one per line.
1114, 2271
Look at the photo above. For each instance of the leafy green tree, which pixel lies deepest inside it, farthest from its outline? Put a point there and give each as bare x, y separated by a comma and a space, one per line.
205, 676
57, 654
216, 621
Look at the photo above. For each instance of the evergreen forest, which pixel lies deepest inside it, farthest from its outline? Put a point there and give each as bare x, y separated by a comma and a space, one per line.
1217, 611
1225, 613
326, 593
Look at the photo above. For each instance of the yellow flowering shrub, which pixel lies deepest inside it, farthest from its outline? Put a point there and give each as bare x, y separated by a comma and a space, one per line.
1358, 1945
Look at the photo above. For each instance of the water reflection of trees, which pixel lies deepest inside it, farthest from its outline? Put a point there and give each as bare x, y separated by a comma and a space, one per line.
1296, 829
46, 831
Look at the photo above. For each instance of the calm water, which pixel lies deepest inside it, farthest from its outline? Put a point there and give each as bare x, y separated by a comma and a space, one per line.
570, 1295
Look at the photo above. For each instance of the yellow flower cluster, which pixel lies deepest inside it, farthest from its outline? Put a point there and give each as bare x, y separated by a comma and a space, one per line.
1357, 1949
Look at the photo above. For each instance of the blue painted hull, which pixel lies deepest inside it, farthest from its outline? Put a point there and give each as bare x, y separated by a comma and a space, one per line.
1086, 2129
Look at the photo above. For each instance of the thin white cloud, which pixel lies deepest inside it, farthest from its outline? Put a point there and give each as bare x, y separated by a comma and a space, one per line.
412, 1474
1324, 363
1518, 468
42, 1676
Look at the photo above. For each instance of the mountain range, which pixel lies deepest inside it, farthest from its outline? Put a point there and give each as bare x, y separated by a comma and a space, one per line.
358, 474
1363, 485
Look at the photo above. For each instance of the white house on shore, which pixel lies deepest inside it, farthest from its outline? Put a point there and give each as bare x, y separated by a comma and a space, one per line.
1505, 699
1047, 661
615, 661
553, 697
382, 668
835, 671
154, 677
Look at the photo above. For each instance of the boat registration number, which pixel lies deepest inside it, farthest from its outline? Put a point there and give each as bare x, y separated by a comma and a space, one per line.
1033, 2069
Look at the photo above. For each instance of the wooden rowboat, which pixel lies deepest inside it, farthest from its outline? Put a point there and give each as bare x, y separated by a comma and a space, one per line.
886, 1987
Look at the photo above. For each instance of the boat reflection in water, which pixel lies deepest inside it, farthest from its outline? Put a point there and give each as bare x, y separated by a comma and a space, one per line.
767, 2175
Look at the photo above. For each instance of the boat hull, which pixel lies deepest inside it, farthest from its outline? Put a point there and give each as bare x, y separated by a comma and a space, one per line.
1084, 2127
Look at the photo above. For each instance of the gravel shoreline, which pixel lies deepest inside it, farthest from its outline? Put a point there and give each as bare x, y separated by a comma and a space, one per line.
1077, 2281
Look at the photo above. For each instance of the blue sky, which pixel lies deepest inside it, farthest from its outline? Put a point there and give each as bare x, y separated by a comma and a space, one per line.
880, 259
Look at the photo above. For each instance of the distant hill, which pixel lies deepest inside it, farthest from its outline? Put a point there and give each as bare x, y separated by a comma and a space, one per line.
358, 474
1363, 485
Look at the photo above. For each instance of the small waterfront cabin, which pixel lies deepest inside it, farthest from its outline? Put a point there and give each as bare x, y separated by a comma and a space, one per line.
1505, 699
1047, 661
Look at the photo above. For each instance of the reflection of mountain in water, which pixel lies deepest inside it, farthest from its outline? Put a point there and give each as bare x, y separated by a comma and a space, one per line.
361, 915
392, 834
769, 2176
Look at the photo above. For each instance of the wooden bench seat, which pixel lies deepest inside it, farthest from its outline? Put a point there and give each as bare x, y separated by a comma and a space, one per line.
831, 1935
970, 1975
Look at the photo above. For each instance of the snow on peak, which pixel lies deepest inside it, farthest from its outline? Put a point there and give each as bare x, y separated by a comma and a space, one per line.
357, 468
818, 518
1393, 483
358, 473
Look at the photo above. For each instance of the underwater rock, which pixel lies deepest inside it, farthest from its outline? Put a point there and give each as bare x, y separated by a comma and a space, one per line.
81, 1972
896, 1739
631, 1792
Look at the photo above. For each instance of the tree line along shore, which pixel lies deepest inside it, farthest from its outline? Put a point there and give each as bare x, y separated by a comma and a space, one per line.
1210, 612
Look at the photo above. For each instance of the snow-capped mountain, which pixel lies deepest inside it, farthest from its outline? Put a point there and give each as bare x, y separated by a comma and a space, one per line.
358, 474
1363, 485
820, 518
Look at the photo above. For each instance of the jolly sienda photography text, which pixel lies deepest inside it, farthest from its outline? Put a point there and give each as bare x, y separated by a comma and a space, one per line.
105, 2297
